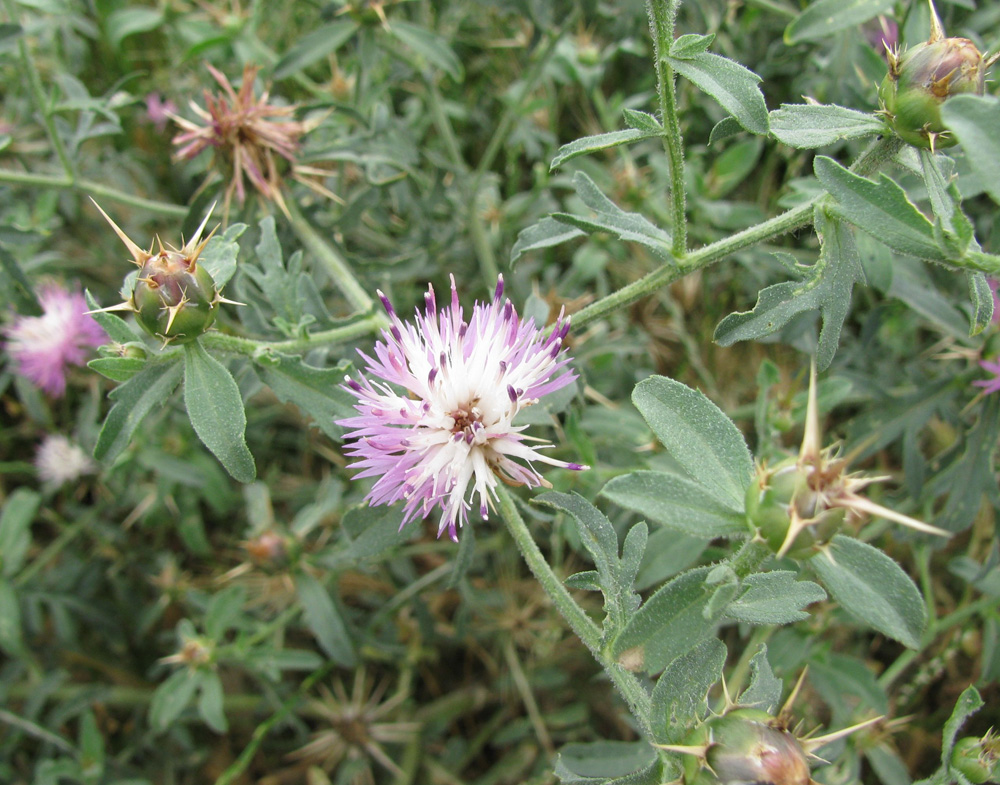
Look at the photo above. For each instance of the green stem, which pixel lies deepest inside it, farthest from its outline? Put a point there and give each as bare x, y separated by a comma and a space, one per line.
661, 24
65, 182
249, 347
335, 265
53, 549
877, 154
38, 96
586, 630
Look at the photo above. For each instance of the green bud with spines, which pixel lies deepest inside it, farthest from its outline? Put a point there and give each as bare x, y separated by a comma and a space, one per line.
174, 297
748, 745
922, 78
978, 759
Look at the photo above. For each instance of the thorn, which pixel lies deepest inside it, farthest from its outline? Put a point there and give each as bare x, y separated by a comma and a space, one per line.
125, 306
811, 438
138, 255
811, 744
786, 709
937, 30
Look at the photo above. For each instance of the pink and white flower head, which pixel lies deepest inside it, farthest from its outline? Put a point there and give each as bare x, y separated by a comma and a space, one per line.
451, 436
60, 461
42, 346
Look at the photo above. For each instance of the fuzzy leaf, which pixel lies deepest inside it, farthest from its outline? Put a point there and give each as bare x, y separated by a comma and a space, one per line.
642, 121
969, 702
974, 121
679, 698
134, 399
604, 762
733, 86
808, 125
677, 503
15, 529
774, 598
118, 329
765, 688
590, 144
118, 369
210, 702
544, 234
880, 208
872, 587
982, 302
172, 697
324, 619
220, 254
129, 21
215, 408
698, 436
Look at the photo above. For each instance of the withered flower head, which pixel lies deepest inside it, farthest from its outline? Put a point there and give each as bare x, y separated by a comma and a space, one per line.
249, 137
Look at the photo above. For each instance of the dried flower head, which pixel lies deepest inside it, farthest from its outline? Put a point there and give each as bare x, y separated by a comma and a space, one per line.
452, 436
249, 137
60, 461
43, 346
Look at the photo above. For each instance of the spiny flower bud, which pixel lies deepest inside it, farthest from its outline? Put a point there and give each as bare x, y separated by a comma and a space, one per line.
747, 746
802, 501
174, 298
978, 759
922, 78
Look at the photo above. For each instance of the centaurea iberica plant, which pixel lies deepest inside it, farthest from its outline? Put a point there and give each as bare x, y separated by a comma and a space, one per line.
43, 346
464, 383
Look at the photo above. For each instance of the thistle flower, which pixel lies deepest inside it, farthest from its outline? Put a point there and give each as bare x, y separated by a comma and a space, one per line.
452, 436
60, 461
43, 346
248, 136
800, 503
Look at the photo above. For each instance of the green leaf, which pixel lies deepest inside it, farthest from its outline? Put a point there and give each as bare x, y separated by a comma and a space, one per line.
223, 611
432, 47
91, 744
872, 587
880, 208
953, 231
324, 619
809, 125
118, 369
642, 121
603, 761
211, 702
590, 144
316, 391
680, 697
691, 44
220, 254
765, 688
601, 541
669, 624
544, 234
118, 329
315, 46
728, 82
172, 697
129, 21
371, 532
697, 435
982, 301
11, 637
774, 598
611, 218
824, 17
215, 408
677, 503
17, 289
15, 529
969, 702
974, 121
134, 399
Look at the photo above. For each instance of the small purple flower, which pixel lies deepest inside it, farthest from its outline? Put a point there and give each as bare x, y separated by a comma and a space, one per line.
989, 385
158, 111
42, 346
450, 437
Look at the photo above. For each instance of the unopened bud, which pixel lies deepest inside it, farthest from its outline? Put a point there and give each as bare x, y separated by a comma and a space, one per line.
748, 747
174, 297
978, 759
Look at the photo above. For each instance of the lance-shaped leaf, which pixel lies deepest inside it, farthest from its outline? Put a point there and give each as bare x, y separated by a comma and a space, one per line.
591, 144
969, 702
679, 699
118, 329
324, 619
15, 529
982, 302
828, 290
872, 587
608, 763
824, 17
774, 598
544, 234
215, 408
880, 208
315, 46
134, 399
815, 125
735, 87
430, 46
609, 217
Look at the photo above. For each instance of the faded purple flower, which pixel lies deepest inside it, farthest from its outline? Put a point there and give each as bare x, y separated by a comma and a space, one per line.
158, 111
989, 385
450, 436
42, 346
60, 461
